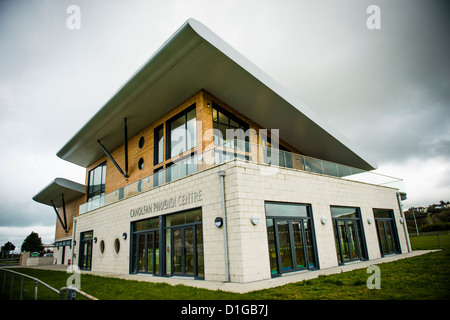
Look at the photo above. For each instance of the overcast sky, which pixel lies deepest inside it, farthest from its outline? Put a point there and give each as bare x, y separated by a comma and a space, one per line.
387, 90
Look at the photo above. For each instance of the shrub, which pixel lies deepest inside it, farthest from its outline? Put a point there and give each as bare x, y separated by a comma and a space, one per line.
435, 227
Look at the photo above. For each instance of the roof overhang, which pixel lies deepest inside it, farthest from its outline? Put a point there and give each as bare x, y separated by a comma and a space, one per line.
53, 191
195, 58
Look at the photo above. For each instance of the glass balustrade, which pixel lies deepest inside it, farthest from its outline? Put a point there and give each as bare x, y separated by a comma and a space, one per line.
250, 153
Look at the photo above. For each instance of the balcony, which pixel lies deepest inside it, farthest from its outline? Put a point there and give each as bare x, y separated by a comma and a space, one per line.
247, 152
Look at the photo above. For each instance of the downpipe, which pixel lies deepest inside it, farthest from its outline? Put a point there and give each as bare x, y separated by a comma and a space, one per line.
225, 240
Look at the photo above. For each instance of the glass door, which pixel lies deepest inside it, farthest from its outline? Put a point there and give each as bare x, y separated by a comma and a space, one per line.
290, 245
348, 238
387, 231
147, 248
386, 237
184, 251
178, 251
284, 241
299, 248
348, 234
85, 250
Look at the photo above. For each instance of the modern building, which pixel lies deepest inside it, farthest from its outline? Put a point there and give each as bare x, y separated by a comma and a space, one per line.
201, 165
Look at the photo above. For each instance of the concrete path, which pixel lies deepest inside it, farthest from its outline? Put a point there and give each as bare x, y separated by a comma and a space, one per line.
252, 286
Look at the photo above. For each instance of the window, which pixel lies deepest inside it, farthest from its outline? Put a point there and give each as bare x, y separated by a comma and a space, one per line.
141, 163
168, 245
141, 142
184, 238
223, 121
96, 185
145, 247
102, 247
348, 234
117, 246
159, 145
291, 237
181, 132
386, 231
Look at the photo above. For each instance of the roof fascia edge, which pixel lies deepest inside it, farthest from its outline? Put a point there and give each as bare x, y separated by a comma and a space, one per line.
184, 34
269, 82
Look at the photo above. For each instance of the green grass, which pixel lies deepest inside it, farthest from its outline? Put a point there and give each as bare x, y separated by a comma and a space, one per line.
430, 241
425, 277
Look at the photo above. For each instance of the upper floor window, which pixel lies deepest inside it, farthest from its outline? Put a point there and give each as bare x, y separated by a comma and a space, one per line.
181, 132
159, 145
229, 131
96, 183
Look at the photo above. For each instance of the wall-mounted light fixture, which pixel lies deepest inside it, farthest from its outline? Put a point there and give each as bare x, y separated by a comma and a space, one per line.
369, 220
124, 236
95, 239
323, 219
218, 222
254, 219
402, 221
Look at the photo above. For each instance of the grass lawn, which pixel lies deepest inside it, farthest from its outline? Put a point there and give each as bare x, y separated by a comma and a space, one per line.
425, 277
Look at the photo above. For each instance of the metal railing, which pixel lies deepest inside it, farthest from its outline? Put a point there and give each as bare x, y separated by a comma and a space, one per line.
70, 291
245, 151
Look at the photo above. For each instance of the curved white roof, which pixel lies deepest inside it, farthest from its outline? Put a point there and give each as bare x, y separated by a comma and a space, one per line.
195, 58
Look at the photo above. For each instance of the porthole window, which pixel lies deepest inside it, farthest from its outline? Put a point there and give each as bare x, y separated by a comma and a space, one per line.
102, 247
117, 246
141, 142
141, 163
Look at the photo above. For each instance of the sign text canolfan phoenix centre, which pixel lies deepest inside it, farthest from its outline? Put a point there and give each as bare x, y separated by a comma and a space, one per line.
171, 202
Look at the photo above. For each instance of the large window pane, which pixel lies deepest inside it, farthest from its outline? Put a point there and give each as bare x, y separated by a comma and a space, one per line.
191, 129
178, 136
200, 254
343, 212
290, 237
223, 121
285, 245
286, 210
272, 246
298, 244
159, 144
182, 132
350, 244
96, 183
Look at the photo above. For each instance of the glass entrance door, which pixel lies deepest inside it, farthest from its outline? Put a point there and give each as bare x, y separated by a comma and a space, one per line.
184, 257
348, 242
147, 247
85, 259
387, 231
348, 234
290, 245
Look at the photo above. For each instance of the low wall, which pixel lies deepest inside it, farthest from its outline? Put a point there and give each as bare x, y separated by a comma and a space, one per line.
27, 261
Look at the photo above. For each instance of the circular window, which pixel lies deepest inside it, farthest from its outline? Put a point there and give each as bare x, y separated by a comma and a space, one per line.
141, 163
102, 247
116, 246
141, 142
